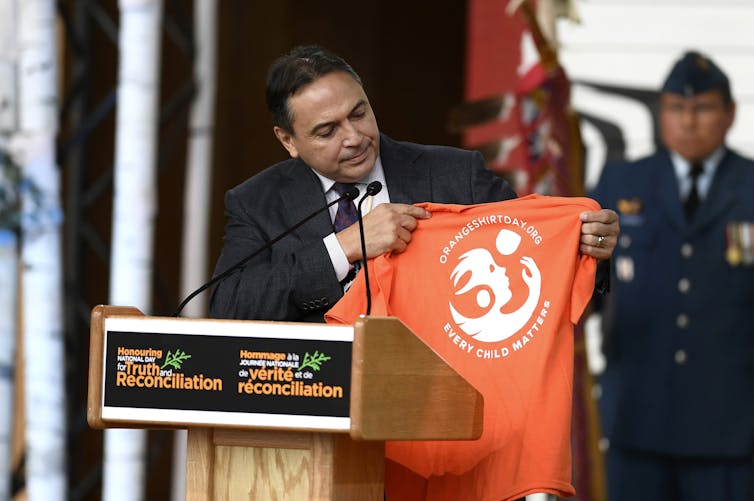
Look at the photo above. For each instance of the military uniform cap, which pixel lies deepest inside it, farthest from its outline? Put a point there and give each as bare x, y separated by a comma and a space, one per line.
695, 73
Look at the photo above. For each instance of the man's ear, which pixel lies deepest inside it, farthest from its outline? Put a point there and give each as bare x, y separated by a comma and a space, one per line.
286, 139
731, 114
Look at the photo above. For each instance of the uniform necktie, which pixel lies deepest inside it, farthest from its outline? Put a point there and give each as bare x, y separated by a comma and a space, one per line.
346, 214
692, 201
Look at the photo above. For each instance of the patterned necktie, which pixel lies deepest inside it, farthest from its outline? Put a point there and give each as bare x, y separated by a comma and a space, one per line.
692, 201
346, 214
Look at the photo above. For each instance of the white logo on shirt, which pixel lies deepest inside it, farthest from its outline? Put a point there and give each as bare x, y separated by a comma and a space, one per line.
491, 291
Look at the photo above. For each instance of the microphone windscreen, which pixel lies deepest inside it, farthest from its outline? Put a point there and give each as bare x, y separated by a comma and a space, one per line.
373, 188
351, 193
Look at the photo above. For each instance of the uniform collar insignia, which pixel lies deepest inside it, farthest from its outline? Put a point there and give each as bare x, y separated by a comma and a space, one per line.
629, 206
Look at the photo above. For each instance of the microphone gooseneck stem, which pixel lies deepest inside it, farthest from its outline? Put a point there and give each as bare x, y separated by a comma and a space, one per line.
372, 189
364, 255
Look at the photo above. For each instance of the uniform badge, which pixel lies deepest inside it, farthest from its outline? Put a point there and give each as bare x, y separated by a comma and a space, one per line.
629, 206
739, 249
624, 268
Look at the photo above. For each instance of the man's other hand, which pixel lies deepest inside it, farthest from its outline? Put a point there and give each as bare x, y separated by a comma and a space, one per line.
599, 233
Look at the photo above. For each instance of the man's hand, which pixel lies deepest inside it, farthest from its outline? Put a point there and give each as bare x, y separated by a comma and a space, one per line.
599, 233
387, 228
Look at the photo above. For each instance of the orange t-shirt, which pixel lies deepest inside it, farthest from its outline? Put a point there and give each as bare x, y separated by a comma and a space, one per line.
494, 289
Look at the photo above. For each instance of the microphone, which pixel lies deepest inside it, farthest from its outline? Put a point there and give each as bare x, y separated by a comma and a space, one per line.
350, 194
372, 189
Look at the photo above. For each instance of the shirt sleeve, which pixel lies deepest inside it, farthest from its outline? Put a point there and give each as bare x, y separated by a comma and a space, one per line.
337, 257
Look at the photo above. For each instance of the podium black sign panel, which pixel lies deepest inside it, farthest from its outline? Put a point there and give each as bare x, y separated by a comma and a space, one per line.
260, 374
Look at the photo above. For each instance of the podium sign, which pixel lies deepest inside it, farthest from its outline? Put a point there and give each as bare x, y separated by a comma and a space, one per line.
262, 374
276, 410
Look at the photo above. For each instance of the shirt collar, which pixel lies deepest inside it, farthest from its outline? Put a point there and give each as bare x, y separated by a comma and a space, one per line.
709, 165
682, 169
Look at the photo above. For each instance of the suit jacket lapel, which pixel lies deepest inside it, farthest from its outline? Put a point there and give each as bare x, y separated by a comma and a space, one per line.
666, 191
407, 181
722, 192
301, 196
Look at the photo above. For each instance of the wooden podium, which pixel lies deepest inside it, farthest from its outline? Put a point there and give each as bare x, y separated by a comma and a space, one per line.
219, 379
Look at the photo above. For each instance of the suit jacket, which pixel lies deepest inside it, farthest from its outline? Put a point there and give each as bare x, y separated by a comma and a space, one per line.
679, 322
295, 280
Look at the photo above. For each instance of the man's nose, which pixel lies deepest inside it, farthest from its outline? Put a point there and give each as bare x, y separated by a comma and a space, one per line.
688, 116
351, 135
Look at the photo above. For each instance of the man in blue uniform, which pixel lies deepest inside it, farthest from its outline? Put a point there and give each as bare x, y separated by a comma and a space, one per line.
678, 390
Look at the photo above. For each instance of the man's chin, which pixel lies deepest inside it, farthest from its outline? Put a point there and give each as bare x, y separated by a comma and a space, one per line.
691, 151
693, 156
358, 170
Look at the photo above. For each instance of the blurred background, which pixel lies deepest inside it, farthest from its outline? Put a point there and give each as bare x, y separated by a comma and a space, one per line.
132, 118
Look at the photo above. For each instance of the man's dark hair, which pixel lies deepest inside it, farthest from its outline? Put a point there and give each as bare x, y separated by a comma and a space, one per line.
289, 73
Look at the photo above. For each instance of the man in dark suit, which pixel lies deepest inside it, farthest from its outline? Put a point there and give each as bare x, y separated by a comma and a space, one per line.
322, 116
678, 389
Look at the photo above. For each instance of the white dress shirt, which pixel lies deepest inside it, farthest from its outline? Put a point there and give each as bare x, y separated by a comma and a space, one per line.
337, 256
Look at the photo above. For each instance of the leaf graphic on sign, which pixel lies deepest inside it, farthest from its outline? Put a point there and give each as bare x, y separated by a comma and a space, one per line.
314, 361
176, 359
